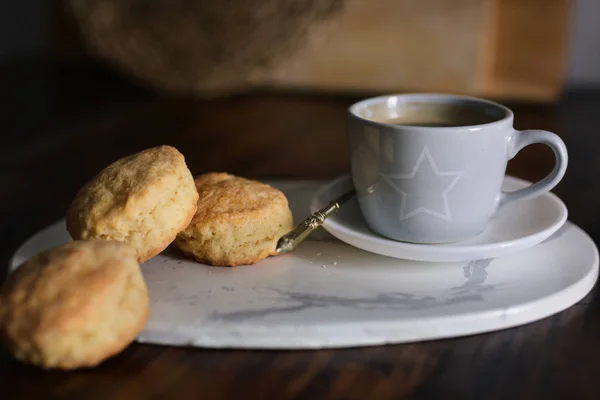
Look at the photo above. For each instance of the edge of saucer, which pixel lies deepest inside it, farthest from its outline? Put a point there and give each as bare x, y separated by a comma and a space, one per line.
437, 253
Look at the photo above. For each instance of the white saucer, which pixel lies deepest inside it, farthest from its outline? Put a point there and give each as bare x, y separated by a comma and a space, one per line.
516, 227
329, 294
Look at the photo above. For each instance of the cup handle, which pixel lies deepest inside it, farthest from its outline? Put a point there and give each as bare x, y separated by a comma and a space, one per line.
525, 138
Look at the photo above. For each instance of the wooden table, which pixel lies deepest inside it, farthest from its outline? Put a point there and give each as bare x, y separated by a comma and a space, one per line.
57, 135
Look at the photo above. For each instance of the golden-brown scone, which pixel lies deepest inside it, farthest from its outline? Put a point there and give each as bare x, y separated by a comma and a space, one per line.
75, 305
144, 200
238, 221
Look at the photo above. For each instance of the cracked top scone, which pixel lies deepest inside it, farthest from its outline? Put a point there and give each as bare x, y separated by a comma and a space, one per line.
75, 305
238, 221
144, 199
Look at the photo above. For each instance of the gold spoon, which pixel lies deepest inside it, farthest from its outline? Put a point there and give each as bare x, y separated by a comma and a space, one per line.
292, 239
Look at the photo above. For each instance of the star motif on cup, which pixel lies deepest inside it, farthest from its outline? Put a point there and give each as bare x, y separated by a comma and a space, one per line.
428, 198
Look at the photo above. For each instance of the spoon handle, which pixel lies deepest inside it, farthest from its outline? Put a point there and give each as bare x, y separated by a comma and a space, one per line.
292, 239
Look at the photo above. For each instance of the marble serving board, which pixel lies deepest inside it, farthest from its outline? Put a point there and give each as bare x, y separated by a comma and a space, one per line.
329, 294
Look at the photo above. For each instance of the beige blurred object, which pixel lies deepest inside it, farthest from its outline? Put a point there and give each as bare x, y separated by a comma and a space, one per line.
385, 45
201, 46
493, 48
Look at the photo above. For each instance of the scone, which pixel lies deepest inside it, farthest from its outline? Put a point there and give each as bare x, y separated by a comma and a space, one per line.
75, 305
238, 221
144, 200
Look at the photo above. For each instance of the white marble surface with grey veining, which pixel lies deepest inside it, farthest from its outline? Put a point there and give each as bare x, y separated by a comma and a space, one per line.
329, 294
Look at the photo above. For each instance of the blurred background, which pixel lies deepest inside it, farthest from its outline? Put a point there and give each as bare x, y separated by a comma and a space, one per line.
507, 49
142, 73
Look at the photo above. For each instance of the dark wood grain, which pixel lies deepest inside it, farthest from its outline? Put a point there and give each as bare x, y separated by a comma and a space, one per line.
87, 118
